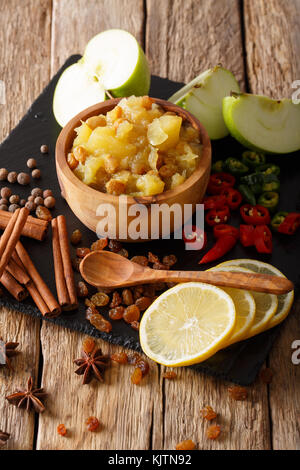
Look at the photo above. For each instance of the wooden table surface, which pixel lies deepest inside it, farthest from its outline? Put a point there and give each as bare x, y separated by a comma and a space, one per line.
259, 41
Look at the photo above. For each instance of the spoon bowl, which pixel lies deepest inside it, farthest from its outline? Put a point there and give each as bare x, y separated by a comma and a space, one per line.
107, 269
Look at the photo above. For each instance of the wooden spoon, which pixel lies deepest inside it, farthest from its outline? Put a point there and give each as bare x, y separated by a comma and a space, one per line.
107, 269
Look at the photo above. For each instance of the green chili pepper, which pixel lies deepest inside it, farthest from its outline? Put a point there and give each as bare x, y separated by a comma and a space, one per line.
268, 169
247, 194
278, 219
236, 167
271, 186
218, 166
253, 159
269, 200
259, 182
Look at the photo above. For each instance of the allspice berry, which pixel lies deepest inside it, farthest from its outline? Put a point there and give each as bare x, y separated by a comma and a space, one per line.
14, 199
49, 202
23, 179
22, 202
31, 206
3, 174
12, 176
36, 174
4, 201
47, 193
3, 207
44, 148
30, 198
37, 192
39, 201
5, 192
31, 163
13, 207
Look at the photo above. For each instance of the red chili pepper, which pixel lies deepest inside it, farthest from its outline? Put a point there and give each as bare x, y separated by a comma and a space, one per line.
233, 197
221, 247
247, 235
224, 229
290, 224
220, 181
194, 237
217, 216
255, 215
214, 202
263, 239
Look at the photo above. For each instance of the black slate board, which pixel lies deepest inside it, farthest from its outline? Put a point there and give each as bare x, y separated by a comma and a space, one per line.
239, 363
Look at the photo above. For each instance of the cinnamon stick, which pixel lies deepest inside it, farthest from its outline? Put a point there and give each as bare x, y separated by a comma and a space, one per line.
33, 228
14, 288
53, 308
61, 286
11, 236
66, 261
17, 272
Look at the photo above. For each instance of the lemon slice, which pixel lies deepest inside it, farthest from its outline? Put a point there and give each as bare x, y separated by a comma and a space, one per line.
266, 306
285, 301
245, 308
187, 324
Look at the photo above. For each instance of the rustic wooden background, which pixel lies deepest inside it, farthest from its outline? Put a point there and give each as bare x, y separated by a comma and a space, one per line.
259, 41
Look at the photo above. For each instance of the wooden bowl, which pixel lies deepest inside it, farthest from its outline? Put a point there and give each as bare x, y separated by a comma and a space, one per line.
84, 200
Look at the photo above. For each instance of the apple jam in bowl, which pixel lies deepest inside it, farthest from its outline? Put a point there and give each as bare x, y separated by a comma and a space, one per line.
150, 150
137, 149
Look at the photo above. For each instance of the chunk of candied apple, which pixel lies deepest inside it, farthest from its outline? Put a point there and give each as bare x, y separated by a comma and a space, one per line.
103, 140
164, 132
150, 184
83, 134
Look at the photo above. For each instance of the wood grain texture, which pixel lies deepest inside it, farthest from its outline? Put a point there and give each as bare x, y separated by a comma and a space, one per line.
76, 22
24, 68
125, 410
184, 37
272, 31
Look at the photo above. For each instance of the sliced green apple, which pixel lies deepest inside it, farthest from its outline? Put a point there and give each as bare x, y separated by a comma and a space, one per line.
117, 60
113, 61
203, 98
75, 91
263, 124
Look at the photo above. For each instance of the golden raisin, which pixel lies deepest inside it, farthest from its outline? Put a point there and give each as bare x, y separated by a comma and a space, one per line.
96, 121
208, 413
169, 260
80, 153
115, 246
82, 290
149, 290
61, 429
131, 314
120, 357
88, 345
43, 213
76, 237
72, 162
100, 299
115, 187
116, 313
186, 445
238, 393
127, 297
137, 292
116, 300
99, 244
90, 311
146, 102
75, 263
144, 366
266, 376
99, 322
143, 303
136, 376
82, 252
152, 258
170, 374
123, 253
135, 325
213, 431
92, 424
142, 260
166, 171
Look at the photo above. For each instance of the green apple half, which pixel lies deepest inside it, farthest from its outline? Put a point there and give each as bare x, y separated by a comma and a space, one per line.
113, 61
263, 124
203, 98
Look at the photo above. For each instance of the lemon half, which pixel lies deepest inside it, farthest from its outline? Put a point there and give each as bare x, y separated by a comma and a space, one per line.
187, 324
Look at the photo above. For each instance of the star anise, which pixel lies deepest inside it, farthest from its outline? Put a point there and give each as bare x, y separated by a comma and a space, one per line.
4, 436
30, 398
7, 350
92, 365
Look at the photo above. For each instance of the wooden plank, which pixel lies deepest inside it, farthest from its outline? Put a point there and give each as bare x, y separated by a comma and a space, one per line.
273, 49
74, 24
125, 410
24, 67
184, 38
272, 31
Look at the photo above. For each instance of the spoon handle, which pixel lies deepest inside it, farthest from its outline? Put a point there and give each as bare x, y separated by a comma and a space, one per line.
250, 281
